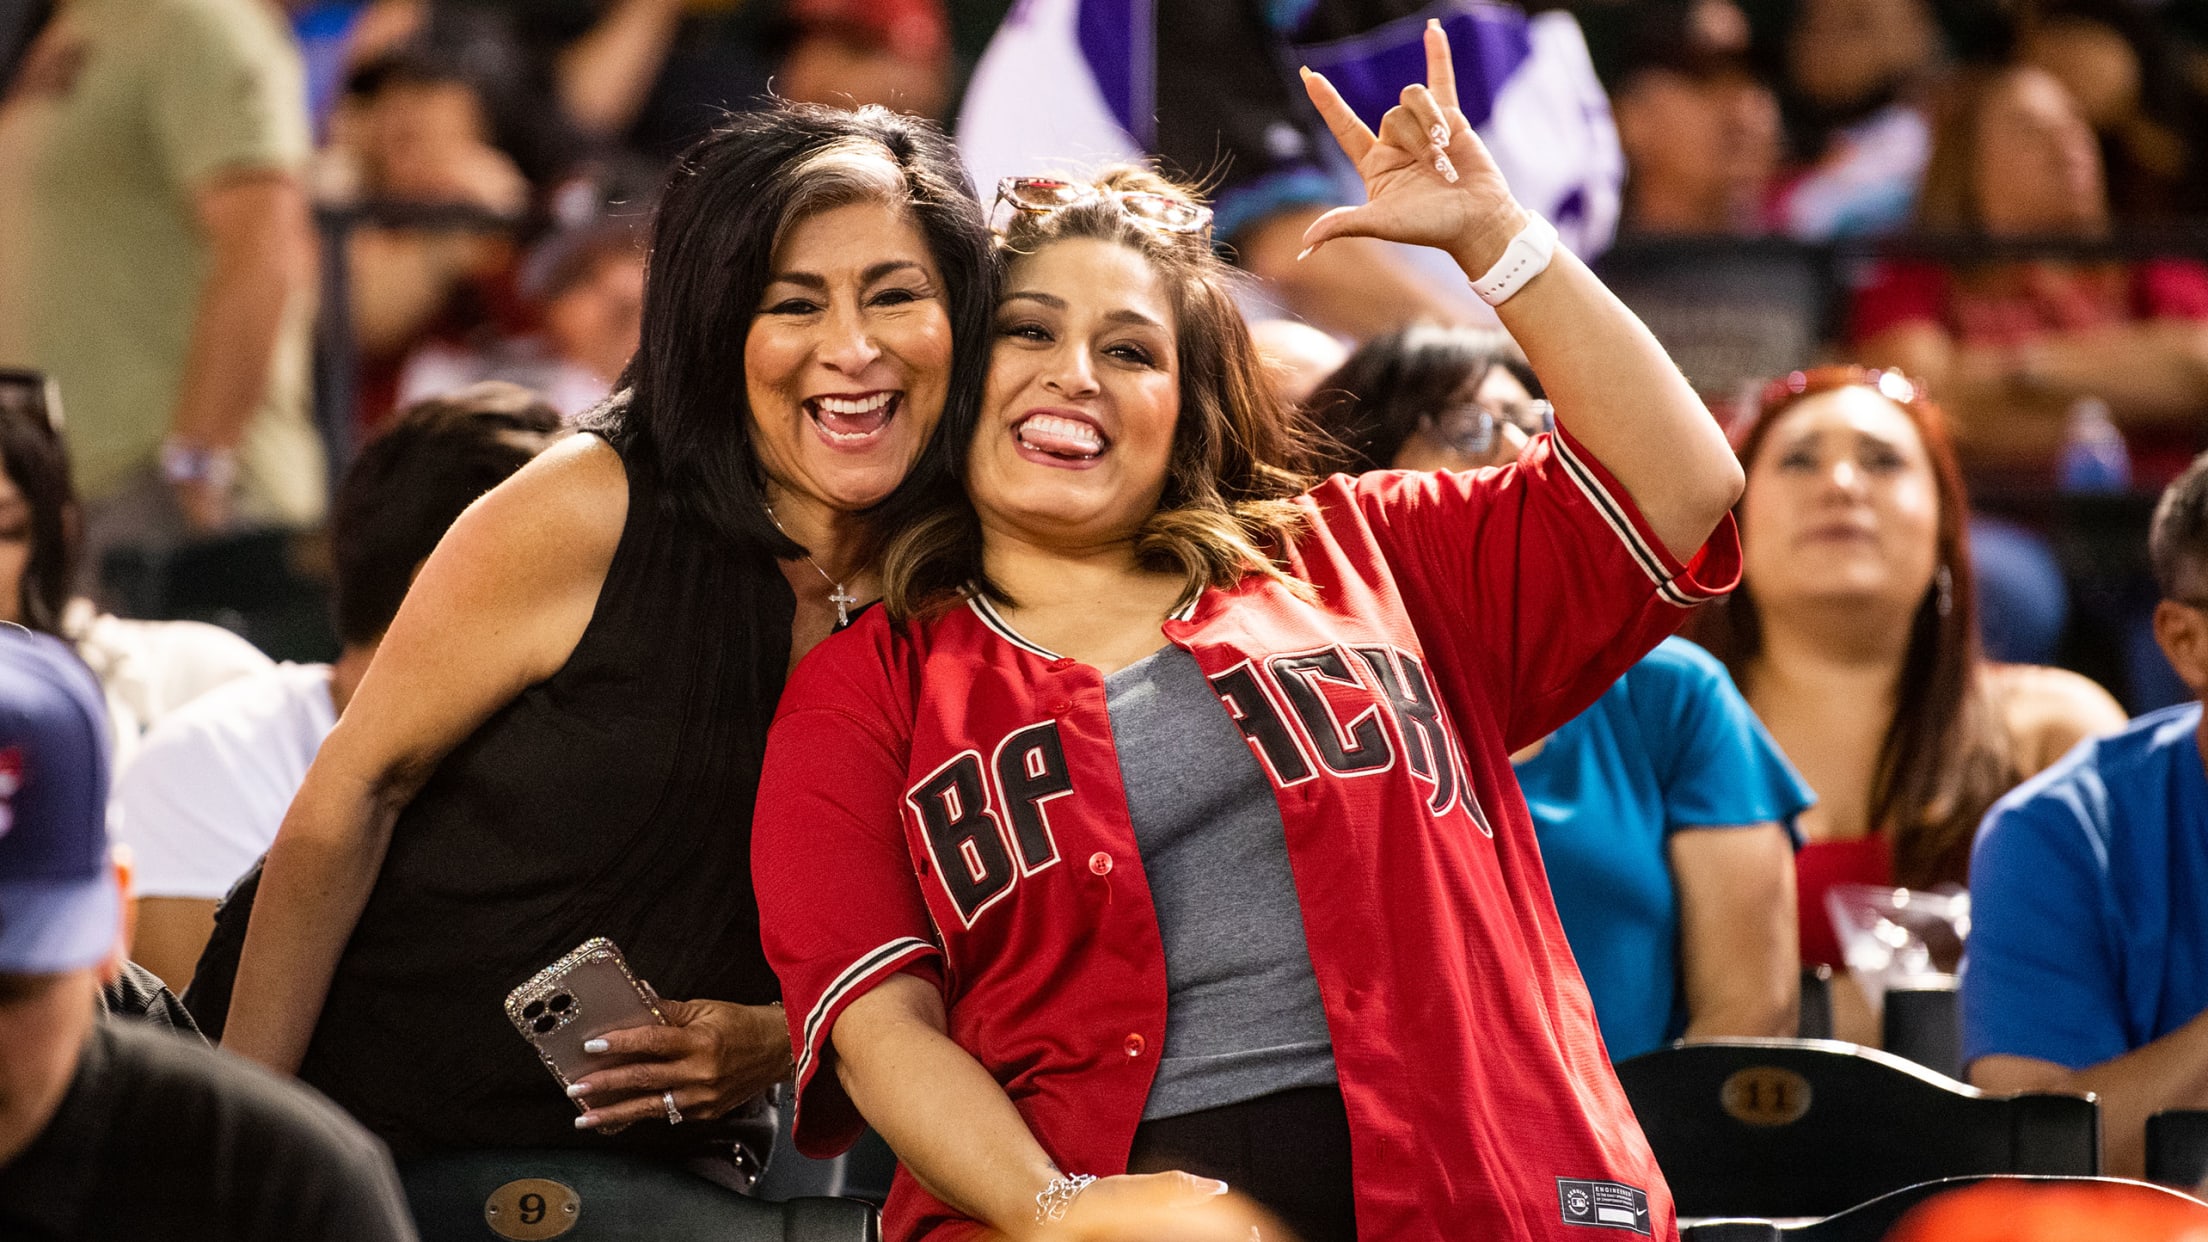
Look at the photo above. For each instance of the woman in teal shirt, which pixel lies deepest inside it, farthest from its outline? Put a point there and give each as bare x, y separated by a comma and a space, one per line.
1665, 811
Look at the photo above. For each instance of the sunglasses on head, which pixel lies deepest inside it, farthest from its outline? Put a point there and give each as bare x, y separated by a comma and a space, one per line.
1040, 196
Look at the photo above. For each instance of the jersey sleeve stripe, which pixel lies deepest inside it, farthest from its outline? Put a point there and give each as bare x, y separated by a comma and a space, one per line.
849, 984
1644, 554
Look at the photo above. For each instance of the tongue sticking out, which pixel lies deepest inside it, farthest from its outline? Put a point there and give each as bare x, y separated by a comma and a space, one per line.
1064, 437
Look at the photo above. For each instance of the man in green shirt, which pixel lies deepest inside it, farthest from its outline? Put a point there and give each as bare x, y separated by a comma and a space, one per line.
160, 263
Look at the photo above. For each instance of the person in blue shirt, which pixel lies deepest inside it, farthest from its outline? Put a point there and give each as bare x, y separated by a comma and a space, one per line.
2087, 963
1666, 820
1680, 930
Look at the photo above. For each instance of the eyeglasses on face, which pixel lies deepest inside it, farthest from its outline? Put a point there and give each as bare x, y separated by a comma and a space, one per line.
1470, 428
1040, 196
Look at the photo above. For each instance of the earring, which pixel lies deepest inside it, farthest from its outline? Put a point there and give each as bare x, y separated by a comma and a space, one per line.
1943, 584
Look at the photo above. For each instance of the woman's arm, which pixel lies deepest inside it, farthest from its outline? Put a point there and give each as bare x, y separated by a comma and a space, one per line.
497, 607
1609, 379
955, 1130
1740, 962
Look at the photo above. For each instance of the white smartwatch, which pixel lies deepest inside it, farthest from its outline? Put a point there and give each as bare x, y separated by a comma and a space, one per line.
1526, 257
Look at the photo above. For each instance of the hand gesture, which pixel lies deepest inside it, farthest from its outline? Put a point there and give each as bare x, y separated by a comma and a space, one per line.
712, 1057
1429, 180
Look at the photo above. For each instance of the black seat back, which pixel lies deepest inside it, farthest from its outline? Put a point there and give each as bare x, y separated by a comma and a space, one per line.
2177, 1147
485, 1196
1923, 1024
1791, 1128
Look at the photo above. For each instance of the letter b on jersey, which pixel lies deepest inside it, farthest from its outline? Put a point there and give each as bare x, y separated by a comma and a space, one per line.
964, 815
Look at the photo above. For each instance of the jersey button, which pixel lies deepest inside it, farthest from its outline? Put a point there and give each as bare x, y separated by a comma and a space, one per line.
1135, 1045
1059, 707
1101, 863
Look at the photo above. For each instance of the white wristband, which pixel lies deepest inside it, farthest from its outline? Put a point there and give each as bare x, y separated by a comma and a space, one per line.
1526, 257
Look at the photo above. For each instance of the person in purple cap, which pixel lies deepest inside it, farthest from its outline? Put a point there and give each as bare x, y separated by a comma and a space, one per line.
110, 1128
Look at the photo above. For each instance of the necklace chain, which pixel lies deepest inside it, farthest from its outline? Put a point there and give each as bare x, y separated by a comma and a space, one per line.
841, 598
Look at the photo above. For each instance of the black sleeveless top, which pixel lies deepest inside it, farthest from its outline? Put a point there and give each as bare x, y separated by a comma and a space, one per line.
612, 799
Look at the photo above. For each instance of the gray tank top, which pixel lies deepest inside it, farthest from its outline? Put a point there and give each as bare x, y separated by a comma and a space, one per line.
1243, 1016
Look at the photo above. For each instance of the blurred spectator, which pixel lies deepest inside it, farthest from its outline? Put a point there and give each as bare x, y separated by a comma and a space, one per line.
1209, 89
2011, 346
2118, 64
1853, 635
165, 264
109, 1129
147, 669
209, 787
413, 128
2088, 954
1664, 812
1298, 355
1700, 133
1857, 72
586, 286
851, 52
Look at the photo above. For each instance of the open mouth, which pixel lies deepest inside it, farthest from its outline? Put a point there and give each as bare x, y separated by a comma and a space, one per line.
854, 421
1059, 438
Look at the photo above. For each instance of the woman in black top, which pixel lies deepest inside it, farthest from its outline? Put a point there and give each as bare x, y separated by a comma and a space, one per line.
560, 736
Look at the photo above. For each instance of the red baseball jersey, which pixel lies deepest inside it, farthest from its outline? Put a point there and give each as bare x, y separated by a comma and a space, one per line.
945, 799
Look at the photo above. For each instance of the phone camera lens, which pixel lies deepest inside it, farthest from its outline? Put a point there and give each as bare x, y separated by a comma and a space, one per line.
545, 1024
562, 1002
533, 1009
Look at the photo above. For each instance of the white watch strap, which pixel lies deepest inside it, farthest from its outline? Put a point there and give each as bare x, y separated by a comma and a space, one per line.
1526, 257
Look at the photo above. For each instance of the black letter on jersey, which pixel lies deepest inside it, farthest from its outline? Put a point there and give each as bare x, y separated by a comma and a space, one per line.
1252, 710
1368, 747
1418, 718
1031, 770
969, 850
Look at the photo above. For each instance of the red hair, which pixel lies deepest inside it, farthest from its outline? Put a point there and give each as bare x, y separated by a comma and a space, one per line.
1945, 756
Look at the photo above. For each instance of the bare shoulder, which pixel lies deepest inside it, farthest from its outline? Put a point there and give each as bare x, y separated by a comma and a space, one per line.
2049, 710
523, 566
558, 517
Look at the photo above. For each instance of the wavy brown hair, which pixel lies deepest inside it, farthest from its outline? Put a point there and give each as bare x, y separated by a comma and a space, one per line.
1241, 452
1945, 757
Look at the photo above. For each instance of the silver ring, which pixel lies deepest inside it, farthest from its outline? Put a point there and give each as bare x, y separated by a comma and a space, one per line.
674, 1115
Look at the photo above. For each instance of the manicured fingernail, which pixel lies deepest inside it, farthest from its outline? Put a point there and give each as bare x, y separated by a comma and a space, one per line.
1303, 71
578, 1091
586, 1121
1218, 1188
1433, 23
1440, 135
1304, 253
594, 1045
1447, 170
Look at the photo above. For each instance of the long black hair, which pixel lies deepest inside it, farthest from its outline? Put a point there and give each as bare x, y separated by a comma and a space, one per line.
683, 416
37, 463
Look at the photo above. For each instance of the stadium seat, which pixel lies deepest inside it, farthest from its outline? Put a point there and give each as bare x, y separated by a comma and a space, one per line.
1923, 1024
1875, 1220
1816, 1014
2177, 1147
1807, 1128
485, 1196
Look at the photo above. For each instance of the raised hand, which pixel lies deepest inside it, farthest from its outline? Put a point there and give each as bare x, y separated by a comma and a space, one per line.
1429, 180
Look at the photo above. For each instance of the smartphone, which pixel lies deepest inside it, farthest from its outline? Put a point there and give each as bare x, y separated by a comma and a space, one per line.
580, 997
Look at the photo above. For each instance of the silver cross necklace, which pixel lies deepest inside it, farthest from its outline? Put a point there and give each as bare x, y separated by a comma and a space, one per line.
841, 598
